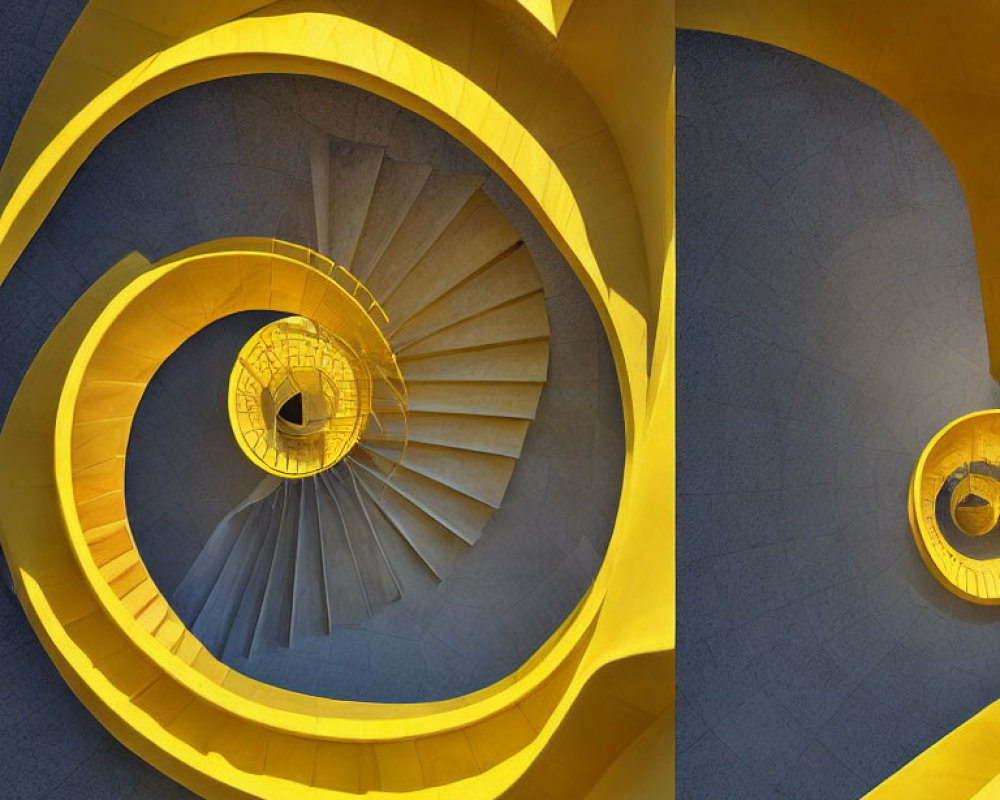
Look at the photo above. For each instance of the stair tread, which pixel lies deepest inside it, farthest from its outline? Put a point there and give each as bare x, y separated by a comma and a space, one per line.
519, 361
345, 589
437, 547
310, 614
523, 319
319, 168
274, 622
462, 515
441, 199
511, 277
481, 476
215, 619
239, 632
398, 186
377, 580
191, 593
502, 436
354, 169
476, 238
496, 399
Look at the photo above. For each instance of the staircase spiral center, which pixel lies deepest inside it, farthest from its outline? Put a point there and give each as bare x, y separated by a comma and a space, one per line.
299, 398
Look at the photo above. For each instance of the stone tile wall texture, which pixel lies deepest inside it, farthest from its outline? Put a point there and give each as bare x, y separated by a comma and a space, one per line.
829, 322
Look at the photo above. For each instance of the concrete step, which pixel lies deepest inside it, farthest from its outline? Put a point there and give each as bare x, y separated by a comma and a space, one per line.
441, 199
502, 436
344, 581
507, 279
354, 170
274, 620
523, 319
398, 186
481, 476
377, 581
310, 611
459, 513
517, 400
436, 546
518, 362
476, 238
236, 580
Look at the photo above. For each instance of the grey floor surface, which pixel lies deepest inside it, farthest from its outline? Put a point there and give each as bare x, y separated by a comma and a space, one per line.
829, 323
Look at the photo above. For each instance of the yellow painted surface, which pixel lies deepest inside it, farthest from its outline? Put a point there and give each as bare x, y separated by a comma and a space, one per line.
963, 765
613, 55
572, 151
967, 439
645, 770
295, 355
976, 518
937, 60
476, 76
106, 638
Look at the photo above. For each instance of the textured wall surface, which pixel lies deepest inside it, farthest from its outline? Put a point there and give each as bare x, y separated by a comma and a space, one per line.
30, 33
52, 747
184, 471
829, 323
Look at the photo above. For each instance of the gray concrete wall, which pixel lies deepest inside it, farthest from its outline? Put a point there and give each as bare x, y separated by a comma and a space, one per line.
829, 323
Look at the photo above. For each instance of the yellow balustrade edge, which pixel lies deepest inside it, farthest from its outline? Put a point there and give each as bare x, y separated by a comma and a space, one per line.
935, 551
449, 718
550, 197
956, 767
76, 665
964, 761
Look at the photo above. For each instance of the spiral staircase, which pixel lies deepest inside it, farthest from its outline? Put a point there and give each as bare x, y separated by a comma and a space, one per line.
461, 304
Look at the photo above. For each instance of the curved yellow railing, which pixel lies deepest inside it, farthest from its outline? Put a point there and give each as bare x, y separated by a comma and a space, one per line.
114, 635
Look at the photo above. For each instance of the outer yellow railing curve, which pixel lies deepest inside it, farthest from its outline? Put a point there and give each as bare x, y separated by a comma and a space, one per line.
123, 649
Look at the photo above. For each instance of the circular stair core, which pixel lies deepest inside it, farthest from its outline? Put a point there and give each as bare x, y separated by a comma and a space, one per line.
299, 397
507, 372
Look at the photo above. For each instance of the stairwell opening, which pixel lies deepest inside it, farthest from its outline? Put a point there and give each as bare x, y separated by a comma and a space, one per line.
291, 411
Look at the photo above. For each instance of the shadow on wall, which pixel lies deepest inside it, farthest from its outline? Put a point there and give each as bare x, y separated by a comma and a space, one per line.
5, 577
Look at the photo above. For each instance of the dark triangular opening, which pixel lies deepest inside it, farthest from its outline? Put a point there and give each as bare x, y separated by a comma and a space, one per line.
291, 411
972, 500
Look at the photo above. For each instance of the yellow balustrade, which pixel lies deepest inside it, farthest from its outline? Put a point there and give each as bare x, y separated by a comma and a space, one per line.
975, 504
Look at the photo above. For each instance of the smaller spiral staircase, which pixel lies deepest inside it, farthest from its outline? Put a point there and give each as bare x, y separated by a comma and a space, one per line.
464, 314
